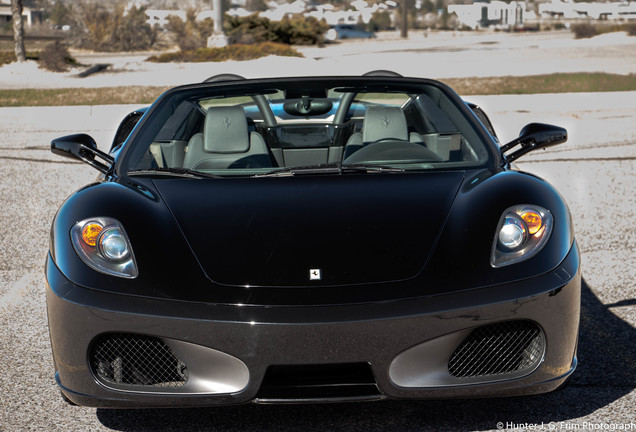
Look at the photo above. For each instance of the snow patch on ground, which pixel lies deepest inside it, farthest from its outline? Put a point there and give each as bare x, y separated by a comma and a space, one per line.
433, 55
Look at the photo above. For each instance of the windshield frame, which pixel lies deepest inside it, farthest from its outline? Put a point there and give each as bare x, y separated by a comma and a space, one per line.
168, 102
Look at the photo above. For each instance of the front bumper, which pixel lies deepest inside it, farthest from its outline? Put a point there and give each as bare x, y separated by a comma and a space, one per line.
227, 349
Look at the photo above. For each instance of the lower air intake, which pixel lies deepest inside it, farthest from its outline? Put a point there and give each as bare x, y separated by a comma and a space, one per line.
130, 360
510, 347
310, 383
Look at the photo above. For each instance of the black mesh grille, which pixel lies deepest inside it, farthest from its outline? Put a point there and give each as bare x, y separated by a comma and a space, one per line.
126, 127
136, 360
501, 348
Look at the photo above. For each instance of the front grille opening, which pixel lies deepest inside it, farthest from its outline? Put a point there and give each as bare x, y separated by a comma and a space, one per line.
127, 360
502, 348
344, 381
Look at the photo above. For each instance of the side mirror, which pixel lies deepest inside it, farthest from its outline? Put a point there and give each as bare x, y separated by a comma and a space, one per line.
82, 147
534, 136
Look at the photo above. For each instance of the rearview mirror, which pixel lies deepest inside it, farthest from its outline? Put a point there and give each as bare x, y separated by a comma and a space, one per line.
307, 107
534, 136
82, 147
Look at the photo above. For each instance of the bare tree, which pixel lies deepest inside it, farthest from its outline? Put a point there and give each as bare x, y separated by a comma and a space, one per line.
404, 26
18, 30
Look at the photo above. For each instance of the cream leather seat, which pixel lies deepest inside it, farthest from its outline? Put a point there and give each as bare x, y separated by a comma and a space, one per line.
226, 143
381, 123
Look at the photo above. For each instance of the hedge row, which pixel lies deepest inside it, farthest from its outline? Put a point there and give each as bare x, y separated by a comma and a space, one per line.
231, 52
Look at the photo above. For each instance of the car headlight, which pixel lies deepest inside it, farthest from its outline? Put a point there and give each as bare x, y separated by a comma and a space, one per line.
103, 245
522, 232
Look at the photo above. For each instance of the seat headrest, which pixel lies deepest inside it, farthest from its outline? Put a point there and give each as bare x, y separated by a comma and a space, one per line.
225, 130
382, 122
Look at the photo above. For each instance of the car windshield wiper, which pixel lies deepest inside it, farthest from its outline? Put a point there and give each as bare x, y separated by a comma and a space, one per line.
370, 168
331, 168
172, 172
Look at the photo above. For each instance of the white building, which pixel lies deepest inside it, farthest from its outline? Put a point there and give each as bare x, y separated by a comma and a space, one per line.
361, 11
581, 10
276, 11
160, 17
496, 13
29, 16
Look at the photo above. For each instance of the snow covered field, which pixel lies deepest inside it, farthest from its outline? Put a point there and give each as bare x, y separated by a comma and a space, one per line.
432, 55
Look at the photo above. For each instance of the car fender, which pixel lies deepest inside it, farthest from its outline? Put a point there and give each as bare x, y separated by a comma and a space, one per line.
461, 259
164, 259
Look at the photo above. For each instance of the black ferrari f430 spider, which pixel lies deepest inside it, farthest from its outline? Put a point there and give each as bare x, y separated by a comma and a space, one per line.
310, 239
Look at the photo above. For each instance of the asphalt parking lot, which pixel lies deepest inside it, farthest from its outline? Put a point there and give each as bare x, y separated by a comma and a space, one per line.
595, 171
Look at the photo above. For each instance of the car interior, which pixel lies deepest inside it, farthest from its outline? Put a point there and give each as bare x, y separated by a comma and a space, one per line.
285, 129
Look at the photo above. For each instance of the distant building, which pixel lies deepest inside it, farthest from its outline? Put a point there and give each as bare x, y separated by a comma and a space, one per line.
359, 12
160, 17
29, 16
618, 11
489, 14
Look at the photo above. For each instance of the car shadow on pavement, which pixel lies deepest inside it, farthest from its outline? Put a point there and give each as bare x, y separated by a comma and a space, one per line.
606, 372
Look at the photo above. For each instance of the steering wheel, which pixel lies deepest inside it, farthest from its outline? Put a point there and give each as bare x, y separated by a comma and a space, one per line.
392, 150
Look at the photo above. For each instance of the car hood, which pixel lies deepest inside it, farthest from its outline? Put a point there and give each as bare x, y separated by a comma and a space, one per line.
312, 230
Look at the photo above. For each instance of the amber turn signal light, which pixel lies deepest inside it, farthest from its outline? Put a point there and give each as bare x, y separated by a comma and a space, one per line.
91, 232
533, 221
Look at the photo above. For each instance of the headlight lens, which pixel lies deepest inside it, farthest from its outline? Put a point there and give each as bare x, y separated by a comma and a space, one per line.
103, 245
513, 232
522, 232
113, 245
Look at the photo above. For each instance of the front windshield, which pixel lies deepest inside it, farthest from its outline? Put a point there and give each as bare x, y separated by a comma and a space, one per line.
273, 127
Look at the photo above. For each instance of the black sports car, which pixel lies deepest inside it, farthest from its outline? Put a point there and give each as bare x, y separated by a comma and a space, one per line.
310, 239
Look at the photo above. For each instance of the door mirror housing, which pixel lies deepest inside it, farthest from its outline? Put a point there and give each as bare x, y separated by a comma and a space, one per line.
534, 136
82, 147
